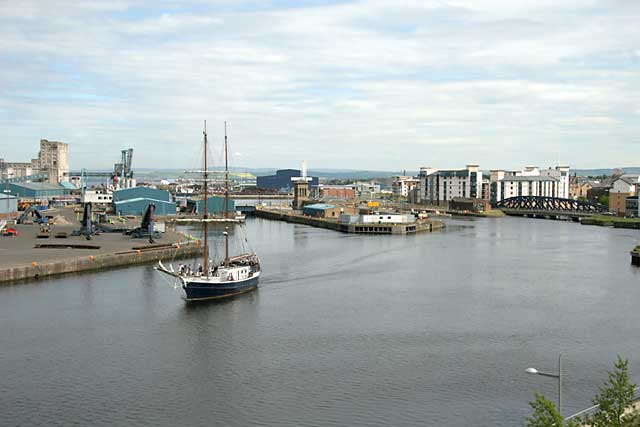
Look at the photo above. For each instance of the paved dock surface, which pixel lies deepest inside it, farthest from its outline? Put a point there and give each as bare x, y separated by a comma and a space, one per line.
20, 259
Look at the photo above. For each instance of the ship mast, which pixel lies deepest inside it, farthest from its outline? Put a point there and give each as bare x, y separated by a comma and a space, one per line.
206, 207
226, 196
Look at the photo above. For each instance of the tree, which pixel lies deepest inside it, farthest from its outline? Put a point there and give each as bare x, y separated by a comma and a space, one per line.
545, 414
614, 397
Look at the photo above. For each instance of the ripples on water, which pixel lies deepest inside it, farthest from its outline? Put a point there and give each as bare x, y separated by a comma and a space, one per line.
345, 330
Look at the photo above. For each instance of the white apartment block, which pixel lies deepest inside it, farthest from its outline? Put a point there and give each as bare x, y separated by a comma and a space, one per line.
402, 185
438, 186
531, 181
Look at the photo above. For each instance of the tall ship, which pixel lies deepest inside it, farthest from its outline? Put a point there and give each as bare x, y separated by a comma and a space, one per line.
214, 280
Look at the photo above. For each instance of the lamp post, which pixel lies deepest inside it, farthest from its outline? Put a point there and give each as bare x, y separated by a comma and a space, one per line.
558, 376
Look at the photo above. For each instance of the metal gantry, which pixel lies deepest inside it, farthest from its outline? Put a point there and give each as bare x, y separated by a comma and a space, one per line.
550, 204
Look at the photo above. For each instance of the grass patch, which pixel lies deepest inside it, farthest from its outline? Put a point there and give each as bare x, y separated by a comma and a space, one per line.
494, 213
612, 219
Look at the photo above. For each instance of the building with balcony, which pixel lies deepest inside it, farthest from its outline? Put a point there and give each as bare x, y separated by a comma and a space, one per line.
531, 181
402, 185
443, 185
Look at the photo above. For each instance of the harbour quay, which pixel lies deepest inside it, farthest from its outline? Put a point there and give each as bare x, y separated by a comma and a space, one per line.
30, 255
351, 223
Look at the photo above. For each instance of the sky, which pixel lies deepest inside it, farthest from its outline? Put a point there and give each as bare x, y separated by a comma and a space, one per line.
378, 85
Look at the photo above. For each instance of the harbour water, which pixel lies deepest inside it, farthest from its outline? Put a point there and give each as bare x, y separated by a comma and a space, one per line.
345, 330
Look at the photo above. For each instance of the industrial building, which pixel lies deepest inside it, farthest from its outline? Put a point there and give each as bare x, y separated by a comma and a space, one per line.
134, 201
8, 204
337, 191
322, 210
141, 192
470, 205
53, 159
139, 205
377, 218
282, 180
33, 190
52, 162
215, 205
437, 186
98, 196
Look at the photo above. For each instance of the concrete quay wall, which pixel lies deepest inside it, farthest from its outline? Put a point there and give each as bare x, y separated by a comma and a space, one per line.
349, 228
84, 263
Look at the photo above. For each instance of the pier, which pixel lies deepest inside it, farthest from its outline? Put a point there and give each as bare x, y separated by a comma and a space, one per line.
358, 228
26, 256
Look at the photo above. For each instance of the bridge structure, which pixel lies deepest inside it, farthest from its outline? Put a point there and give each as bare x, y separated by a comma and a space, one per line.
540, 206
35, 177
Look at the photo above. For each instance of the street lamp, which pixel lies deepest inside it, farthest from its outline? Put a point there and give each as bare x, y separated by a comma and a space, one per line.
558, 376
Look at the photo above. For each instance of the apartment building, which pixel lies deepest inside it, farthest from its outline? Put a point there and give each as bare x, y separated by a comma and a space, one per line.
402, 185
443, 185
531, 181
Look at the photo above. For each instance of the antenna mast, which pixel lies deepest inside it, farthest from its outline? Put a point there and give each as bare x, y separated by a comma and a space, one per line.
206, 207
226, 195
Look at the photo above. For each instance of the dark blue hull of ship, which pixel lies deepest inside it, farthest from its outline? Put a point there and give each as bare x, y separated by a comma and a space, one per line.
203, 291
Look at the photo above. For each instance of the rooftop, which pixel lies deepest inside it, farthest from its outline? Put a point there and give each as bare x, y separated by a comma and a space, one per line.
320, 206
629, 179
531, 178
36, 185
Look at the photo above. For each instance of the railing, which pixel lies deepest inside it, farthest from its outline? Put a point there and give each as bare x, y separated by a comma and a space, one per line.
540, 203
593, 409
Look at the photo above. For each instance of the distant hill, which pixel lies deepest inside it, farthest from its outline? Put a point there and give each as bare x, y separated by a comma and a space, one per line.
322, 173
353, 174
598, 172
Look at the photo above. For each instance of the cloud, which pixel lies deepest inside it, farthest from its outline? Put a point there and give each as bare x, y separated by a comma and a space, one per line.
343, 84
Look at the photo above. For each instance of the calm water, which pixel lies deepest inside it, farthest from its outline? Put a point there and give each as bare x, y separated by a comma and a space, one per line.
345, 330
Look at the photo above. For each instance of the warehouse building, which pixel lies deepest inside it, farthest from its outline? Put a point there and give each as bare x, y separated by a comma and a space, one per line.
141, 192
33, 190
139, 205
321, 210
8, 204
215, 204
282, 180
337, 191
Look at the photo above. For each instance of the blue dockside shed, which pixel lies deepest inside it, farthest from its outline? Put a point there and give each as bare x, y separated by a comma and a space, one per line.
215, 205
138, 206
317, 209
32, 190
